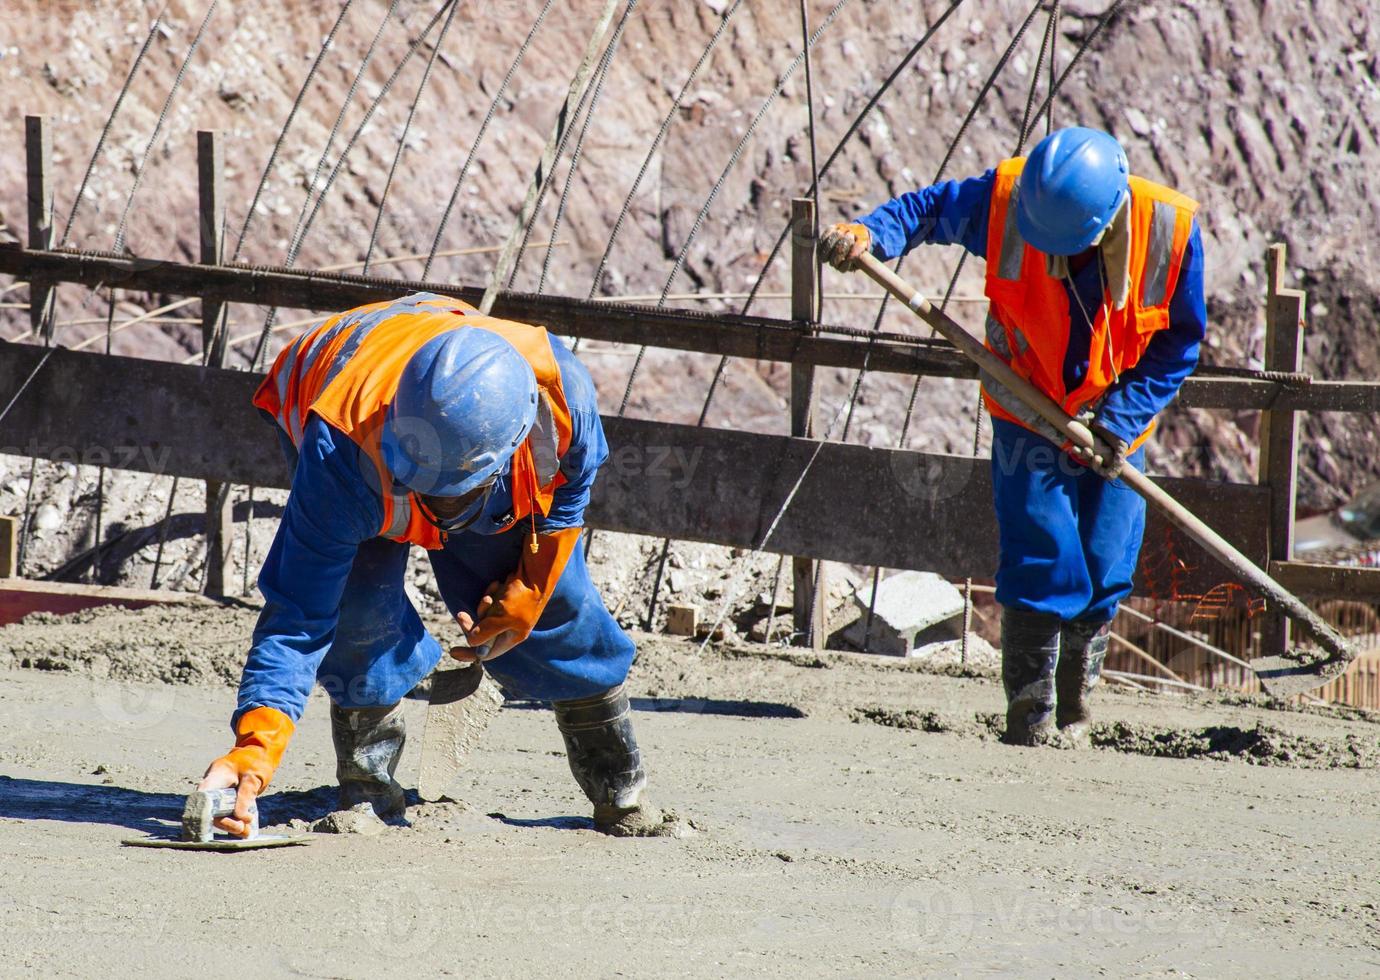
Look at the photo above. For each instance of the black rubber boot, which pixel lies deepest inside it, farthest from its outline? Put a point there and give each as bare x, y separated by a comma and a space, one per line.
1082, 648
1029, 650
603, 753
368, 745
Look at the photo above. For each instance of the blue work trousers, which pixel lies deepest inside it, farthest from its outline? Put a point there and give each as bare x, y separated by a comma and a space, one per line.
1070, 540
381, 649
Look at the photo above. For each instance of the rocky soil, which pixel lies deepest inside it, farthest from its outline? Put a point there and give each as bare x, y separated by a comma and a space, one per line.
1267, 114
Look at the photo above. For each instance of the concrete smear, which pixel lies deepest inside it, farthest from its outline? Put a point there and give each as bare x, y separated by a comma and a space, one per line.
856, 816
174, 645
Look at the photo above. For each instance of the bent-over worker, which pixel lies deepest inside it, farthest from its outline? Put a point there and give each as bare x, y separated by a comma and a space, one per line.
422, 422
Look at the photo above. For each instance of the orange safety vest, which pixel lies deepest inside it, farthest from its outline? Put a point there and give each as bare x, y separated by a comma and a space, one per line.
1028, 315
348, 369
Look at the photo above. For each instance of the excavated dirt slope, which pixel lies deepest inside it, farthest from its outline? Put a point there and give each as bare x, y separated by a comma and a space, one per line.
1267, 113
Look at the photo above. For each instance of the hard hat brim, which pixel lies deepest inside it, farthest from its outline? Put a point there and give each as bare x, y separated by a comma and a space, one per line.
1071, 243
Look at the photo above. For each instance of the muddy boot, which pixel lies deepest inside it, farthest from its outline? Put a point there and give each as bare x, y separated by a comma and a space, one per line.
368, 744
603, 753
1082, 648
1029, 649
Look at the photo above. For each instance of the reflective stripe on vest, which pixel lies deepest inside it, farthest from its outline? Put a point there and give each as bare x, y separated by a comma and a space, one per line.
997, 338
1029, 311
1012, 251
1015, 408
545, 441
300, 357
368, 322
352, 392
1159, 254
401, 511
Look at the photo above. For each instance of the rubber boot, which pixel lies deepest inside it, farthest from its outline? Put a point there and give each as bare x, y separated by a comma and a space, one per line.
603, 753
1082, 648
368, 745
1029, 650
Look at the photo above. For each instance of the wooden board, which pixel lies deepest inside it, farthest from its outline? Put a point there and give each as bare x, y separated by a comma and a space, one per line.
752, 337
20, 597
9, 547
857, 504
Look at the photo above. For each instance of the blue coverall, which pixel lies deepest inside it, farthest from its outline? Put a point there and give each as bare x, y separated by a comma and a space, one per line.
335, 612
1069, 539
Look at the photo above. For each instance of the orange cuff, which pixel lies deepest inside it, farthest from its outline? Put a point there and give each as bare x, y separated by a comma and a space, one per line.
526, 593
263, 737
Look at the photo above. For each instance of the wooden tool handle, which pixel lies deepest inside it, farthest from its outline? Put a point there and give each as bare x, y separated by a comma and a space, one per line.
1079, 435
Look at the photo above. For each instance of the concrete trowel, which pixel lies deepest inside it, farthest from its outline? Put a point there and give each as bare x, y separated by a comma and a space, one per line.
199, 833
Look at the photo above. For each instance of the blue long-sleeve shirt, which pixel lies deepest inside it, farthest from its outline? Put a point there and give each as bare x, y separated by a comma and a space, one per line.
955, 212
331, 511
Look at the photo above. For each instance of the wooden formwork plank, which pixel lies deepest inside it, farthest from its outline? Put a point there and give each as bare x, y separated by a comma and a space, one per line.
750, 337
21, 597
907, 510
38, 153
210, 159
1313, 580
1279, 427
808, 582
9, 547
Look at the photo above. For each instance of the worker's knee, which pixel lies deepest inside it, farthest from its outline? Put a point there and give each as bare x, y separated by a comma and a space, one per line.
1042, 566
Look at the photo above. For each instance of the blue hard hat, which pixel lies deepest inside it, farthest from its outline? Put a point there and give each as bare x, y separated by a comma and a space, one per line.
1072, 186
465, 402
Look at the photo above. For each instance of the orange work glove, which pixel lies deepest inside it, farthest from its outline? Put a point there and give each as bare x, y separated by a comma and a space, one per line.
509, 612
250, 765
841, 244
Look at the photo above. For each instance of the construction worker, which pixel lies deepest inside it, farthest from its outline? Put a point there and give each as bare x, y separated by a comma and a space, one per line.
422, 422
1095, 287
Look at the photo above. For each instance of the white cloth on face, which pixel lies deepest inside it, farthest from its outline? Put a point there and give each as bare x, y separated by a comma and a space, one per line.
1116, 254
